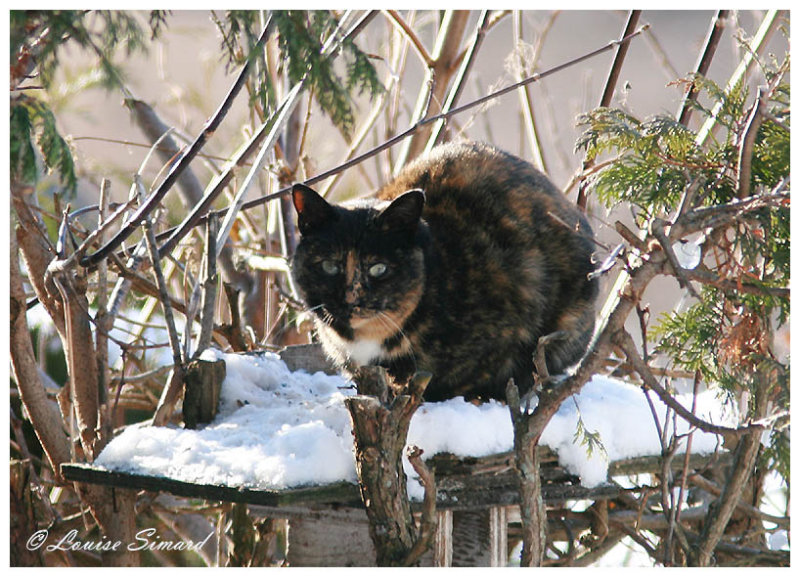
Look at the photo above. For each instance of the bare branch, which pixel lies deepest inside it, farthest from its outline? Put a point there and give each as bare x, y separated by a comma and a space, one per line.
172, 389
332, 45
708, 485
434, 86
657, 230
703, 63
43, 414
608, 91
458, 84
177, 169
78, 344
759, 43
625, 342
209, 288
188, 184
408, 32
427, 525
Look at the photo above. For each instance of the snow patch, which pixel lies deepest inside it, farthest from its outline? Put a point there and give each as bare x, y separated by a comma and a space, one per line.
278, 429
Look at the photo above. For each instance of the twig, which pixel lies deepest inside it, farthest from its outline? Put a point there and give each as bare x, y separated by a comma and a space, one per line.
405, 134
754, 121
400, 24
209, 288
458, 84
619, 58
625, 342
745, 161
427, 524
442, 116
657, 230
197, 215
703, 63
172, 388
723, 214
608, 91
275, 124
102, 320
524, 93
759, 43
188, 184
670, 73
699, 481
377, 109
437, 78
208, 130
722, 509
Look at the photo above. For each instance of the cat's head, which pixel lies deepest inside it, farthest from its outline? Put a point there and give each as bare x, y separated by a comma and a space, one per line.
360, 268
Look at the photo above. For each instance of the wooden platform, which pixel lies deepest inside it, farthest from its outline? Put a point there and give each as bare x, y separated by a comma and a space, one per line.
476, 505
476, 500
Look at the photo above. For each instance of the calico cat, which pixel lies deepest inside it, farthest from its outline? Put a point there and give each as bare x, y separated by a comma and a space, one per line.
457, 267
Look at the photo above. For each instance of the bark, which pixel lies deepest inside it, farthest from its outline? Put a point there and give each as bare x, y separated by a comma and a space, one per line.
37, 253
42, 412
531, 505
380, 427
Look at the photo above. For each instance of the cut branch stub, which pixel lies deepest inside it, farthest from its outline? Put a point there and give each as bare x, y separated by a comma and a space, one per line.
381, 418
203, 384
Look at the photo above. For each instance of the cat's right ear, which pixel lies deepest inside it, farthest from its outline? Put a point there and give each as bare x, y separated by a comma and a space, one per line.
312, 210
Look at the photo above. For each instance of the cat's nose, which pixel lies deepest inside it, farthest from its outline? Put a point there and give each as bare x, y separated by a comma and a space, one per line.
353, 294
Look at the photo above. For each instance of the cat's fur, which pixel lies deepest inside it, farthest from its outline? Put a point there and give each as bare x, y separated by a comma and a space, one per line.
483, 256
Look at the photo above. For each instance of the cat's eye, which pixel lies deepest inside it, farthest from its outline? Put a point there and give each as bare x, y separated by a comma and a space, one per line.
330, 267
377, 270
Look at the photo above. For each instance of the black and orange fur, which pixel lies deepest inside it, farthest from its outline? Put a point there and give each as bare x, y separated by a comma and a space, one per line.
482, 257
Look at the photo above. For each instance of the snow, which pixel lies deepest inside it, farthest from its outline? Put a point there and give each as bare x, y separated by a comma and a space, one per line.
278, 429
688, 253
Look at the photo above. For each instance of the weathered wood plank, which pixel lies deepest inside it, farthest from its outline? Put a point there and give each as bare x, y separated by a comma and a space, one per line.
498, 537
330, 542
309, 358
461, 484
443, 539
342, 493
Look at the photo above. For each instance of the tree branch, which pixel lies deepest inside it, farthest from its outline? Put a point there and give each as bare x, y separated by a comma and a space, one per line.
703, 63
177, 169
42, 413
437, 79
608, 91
625, 342
458, 84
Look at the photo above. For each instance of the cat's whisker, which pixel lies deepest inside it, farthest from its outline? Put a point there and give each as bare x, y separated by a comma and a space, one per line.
389, 322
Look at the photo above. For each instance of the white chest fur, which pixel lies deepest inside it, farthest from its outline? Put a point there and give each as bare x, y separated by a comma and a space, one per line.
363, 351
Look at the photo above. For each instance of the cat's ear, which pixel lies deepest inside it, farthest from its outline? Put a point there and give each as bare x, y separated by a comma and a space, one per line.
403, 213
312, 210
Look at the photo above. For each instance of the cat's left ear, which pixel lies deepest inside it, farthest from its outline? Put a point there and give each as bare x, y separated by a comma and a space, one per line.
403, 213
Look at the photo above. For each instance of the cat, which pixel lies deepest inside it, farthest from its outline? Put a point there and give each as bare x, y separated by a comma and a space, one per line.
455, 267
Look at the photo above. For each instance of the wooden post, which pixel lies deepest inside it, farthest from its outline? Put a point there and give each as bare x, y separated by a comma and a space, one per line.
443, 541
498, 537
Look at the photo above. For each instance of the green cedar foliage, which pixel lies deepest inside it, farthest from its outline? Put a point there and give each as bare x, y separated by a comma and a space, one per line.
727, 335
37, 38
301, 37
